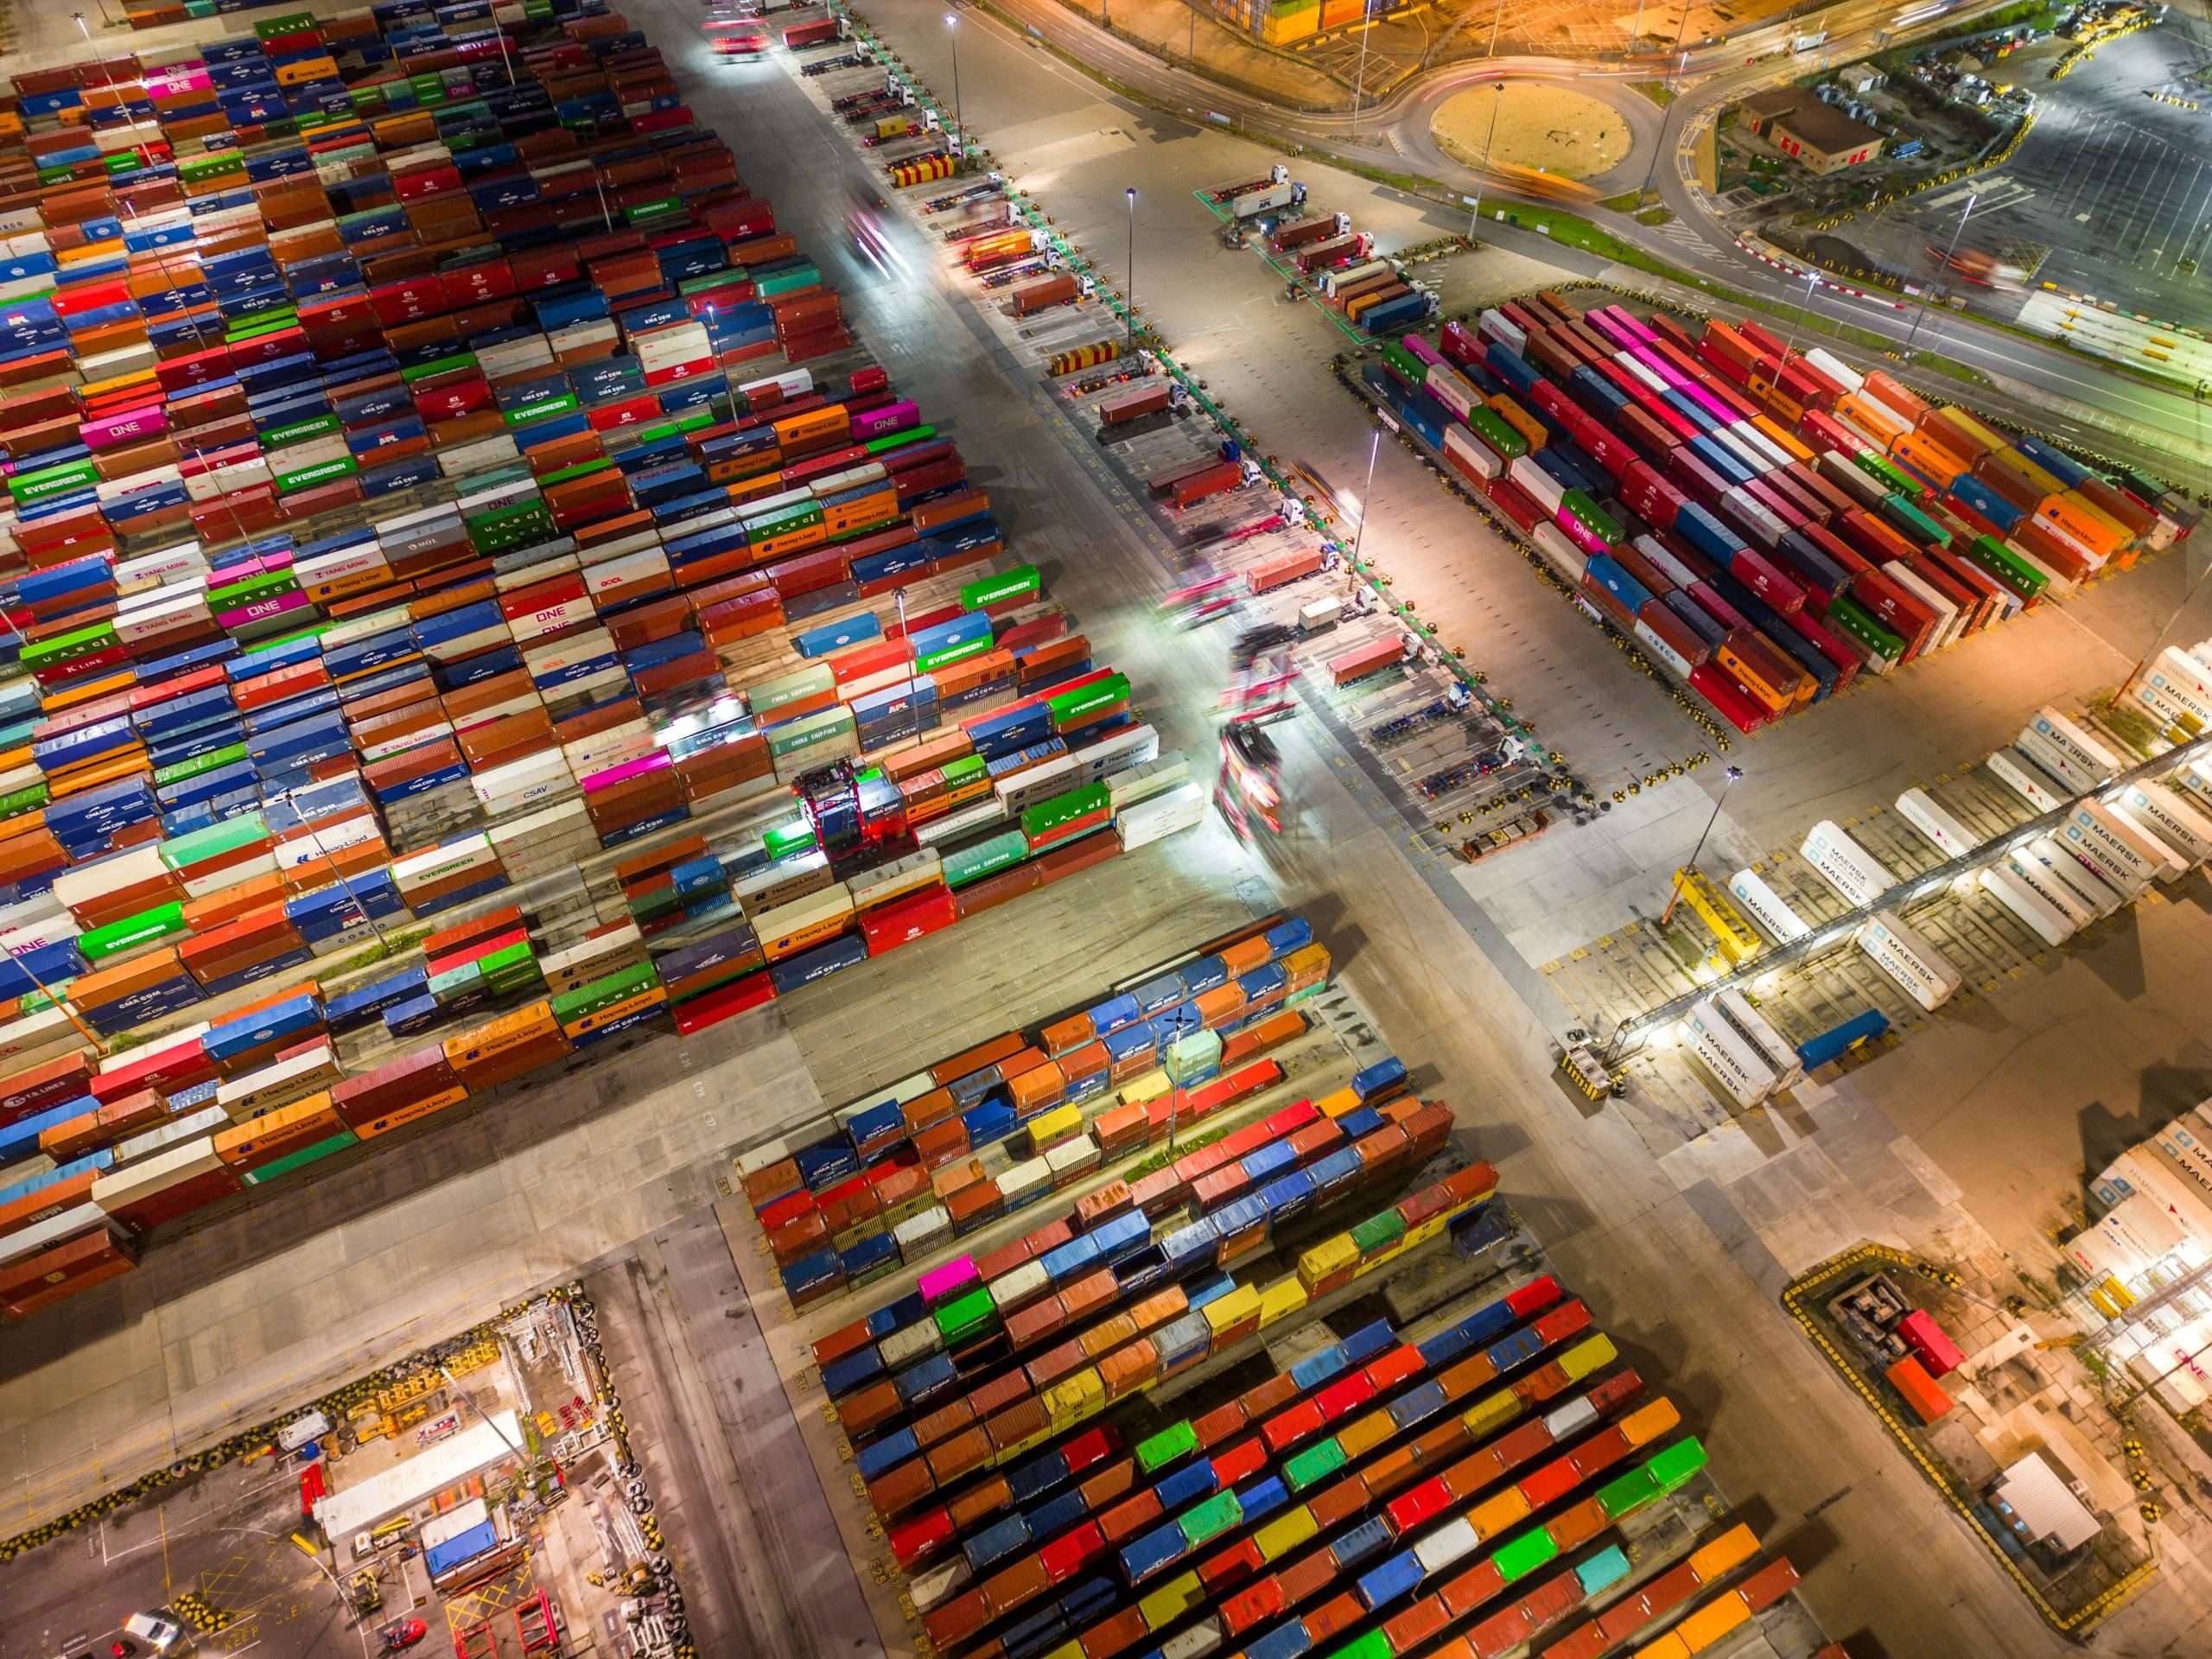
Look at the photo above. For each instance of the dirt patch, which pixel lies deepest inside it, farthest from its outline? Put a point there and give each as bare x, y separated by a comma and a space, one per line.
1566, 134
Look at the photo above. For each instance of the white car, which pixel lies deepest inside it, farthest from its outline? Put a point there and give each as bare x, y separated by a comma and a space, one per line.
157, 1634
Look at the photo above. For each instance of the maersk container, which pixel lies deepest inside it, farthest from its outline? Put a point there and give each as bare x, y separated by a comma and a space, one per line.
2167, 864
2045, 884
2163, 811
2030, 908
1758, 1030
1745, 1077
2086, 763
2185, 680
1765, 906
1470, 455
1840, 861
2111, 852
1907, 956
2080, 881
1538, 485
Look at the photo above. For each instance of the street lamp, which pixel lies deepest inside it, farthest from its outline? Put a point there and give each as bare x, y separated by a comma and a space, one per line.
1681, 62
1359, 81
1957, 231
1366, 497
960, 126
1130, 299
1733, 774
1812, 281
1496, 104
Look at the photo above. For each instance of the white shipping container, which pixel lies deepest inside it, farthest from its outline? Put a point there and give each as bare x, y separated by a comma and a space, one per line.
1667, 656
2194, 779
1639, 370
2080, 881
1503, 329
2037, 913
1449, 388
2145, 1172
2140, 852
2189, 681
2084, 752
1538, 485
1902, 951
1562, 555
1471, 454
1835, 368
2128, 876
1844, 865
2170, 716
1950, 837
2175, 865
2045, 883
1743, 1076
2128, 1242
2028, 780
1753, 461
1334, 283
1765, 906
1762, 527
1664, 561
1755, 1028
2056, 582
1950, 622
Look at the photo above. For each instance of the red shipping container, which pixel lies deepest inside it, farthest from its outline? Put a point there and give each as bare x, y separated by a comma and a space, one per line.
905, 920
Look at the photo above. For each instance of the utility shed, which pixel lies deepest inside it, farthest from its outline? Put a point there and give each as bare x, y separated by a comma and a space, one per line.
2037, 1494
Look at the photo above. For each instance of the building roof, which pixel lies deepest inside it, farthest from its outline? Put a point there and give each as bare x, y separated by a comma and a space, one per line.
1826, 129
1820, 126
2042, 1496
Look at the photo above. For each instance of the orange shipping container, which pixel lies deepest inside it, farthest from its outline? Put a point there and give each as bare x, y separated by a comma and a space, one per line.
1920, 1391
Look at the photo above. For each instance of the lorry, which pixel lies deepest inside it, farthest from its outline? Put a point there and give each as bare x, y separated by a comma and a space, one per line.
1042, 293
1267, 200
1318, 228
1134, 402
1337, 250
1279, 174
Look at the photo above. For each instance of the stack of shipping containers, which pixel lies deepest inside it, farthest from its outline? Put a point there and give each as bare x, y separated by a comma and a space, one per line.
423, 485
1766, 523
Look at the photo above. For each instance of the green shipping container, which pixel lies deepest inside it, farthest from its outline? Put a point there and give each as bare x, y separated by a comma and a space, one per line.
603, 992
455, 983
1915, 523
293, 1160
298, 431
1518, 1557
196, 846
1632, 1491
1211, 1519
1887, 473
1313, 1465
1407, 367
976, 647
878, 448
984, 858
28, 798
1179, 1440
68, 647
786, 839
965, 1315
148, 926
2008, 566
27, 487
1379, 1233
1375, 1644
1486, 424
1853, 618
1021, 583
1592, 518
510, 968
1048, 816
1195, 1057
268, 584
1071, 708
1679, 1463
795, 280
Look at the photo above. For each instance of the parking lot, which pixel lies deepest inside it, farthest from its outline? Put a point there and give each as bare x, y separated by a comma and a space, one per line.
2113, 183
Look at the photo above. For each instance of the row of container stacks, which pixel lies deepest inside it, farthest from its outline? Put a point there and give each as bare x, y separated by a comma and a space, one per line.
226, 758
1383, 1493
896, 1176
1765, 530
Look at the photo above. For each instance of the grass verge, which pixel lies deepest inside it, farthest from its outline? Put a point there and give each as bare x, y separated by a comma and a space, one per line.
1657, 90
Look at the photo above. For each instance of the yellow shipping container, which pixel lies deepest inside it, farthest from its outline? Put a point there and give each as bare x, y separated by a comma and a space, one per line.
1074, 1397
1339, 1104
1224, 1313
1588, 1357
1050, 1129
1494, 1515
1282, 1297
1280, 31
1647, 1422
1713, 1621
1724, 1555
1330, 1256
1143, 1090
1181, 1595
1285, 1533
